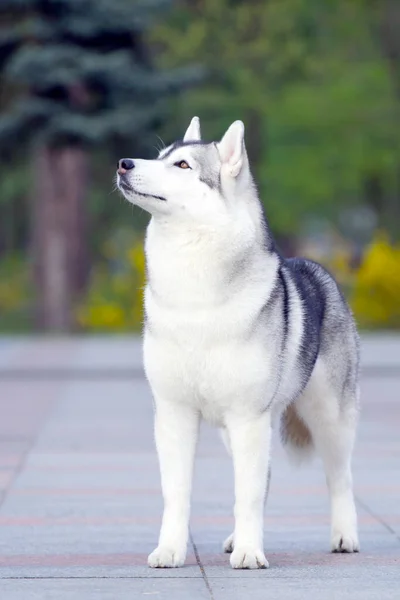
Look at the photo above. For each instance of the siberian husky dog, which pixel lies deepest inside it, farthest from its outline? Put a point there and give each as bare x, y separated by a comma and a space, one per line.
240, 336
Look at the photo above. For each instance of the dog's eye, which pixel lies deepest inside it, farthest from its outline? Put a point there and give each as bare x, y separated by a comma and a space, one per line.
182, 164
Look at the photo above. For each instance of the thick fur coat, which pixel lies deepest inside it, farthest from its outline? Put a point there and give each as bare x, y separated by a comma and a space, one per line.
239, 336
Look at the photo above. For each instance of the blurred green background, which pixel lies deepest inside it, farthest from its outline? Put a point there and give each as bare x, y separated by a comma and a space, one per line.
85, 82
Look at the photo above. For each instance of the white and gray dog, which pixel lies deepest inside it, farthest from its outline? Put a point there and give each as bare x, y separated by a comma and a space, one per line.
238, 335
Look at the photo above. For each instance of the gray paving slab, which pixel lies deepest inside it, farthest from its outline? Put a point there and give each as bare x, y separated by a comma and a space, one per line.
351, 585
80, 501
104, 589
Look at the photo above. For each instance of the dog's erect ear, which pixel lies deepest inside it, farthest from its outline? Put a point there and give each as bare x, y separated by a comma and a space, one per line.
231, 148
193, 133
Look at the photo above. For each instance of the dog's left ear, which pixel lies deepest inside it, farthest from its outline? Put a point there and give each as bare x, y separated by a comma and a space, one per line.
193, 133
232, 149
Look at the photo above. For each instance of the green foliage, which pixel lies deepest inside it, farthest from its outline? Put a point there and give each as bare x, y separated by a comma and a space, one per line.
77, 72
310, 82
15, 294
81, 72
310, 79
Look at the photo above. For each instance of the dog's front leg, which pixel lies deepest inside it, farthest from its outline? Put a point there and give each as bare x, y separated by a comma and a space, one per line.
176, 432
250, 440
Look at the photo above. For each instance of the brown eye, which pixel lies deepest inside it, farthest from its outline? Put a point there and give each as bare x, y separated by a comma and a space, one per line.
182, 164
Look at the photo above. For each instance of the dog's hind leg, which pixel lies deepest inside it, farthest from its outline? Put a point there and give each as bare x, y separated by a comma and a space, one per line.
331, 419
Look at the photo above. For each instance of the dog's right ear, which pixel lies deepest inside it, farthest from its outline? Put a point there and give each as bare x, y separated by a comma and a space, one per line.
193, 133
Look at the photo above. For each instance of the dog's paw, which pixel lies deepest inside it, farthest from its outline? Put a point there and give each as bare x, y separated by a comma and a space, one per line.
248, 558
346, 542
228, 545
163, 557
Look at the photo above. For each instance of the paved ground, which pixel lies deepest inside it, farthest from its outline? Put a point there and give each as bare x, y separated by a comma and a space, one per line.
80, 492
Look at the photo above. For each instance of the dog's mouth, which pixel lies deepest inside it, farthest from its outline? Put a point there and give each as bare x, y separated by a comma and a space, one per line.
127, 187
124, 185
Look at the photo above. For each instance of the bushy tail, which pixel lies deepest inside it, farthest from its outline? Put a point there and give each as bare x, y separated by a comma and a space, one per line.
296, 437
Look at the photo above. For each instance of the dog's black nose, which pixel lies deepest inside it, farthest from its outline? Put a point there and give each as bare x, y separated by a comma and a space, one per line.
126, 164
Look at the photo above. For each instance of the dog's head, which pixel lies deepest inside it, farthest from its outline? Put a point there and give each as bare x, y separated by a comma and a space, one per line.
191, 179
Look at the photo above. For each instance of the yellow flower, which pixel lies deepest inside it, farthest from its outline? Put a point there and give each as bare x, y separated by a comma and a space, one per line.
136, 258
107, 315
376, 294
115, 302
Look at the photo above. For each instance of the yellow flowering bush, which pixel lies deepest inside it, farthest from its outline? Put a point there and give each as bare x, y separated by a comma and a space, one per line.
375, 298
114, 301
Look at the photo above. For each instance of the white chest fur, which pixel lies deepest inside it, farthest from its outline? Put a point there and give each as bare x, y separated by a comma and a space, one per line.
202, 302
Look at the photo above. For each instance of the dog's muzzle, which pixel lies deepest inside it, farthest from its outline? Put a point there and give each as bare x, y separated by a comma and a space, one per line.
124, 165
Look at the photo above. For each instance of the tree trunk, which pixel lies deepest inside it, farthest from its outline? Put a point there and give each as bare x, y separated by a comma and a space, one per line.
59, 234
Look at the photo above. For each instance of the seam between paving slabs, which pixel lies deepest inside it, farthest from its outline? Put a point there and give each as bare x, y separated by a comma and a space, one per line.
388, 528
201, 567
95, 577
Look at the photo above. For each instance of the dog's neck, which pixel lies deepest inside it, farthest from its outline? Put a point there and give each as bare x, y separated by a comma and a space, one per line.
201, 265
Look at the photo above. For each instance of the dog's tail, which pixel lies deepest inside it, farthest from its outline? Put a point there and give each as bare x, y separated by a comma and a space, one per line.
296, 437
